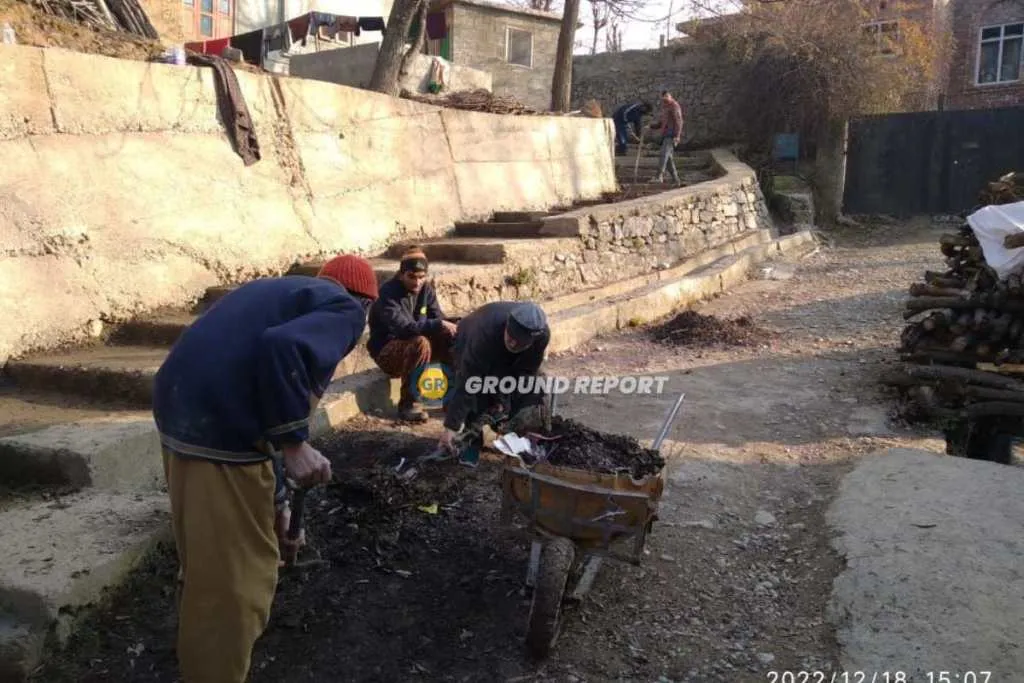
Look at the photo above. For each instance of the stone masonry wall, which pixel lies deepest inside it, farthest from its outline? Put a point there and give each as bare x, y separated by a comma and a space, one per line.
478, 41
623, 240
699, 78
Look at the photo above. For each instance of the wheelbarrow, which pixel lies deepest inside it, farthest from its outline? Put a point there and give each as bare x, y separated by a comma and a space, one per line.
575, 519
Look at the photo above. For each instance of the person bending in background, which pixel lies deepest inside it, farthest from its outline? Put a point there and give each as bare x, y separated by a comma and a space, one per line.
236, 389
628, 120
408, 330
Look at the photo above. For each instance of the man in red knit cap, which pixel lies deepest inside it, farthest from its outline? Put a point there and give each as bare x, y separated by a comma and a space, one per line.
232, 404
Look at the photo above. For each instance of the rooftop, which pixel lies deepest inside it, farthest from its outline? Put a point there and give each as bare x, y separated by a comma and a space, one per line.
500, 7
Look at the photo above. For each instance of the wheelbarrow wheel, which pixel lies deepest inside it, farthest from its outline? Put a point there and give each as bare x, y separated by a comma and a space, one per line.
556, 560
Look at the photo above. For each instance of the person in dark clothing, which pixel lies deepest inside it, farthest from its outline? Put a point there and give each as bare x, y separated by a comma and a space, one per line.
499, 339
236, 389
408, 329
626, 117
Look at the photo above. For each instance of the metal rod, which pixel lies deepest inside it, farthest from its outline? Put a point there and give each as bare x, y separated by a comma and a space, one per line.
669, 419
554, 402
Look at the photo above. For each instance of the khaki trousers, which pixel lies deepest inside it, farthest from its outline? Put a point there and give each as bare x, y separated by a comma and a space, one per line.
223, 521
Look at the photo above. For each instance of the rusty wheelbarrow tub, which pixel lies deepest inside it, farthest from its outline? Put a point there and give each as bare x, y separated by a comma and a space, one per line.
575, 518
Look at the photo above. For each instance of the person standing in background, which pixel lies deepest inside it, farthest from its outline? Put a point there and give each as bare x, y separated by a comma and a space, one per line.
671, 127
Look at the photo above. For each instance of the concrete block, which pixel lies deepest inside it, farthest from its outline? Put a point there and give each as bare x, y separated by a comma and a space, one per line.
573, 327
232, 54
118, 454
25, 105
60, 556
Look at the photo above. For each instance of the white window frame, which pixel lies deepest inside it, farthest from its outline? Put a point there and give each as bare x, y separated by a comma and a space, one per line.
999, 56
877, 34
508, 44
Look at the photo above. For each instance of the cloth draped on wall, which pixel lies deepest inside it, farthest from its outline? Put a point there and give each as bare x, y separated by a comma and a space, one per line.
436, 26
209, 47
251, 45
234, 112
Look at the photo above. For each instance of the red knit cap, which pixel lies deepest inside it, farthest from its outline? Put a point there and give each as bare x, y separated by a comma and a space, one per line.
352, 272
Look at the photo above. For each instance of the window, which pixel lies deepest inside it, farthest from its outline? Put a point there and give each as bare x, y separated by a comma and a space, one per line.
519, 47
206, 26
999, 53
224, 6
883, 35
206, 19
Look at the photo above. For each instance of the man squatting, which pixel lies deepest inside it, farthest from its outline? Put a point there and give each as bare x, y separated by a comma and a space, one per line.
237, 388
408, 330
499, 339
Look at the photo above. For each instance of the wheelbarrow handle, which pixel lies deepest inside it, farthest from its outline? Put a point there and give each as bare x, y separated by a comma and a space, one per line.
298, 514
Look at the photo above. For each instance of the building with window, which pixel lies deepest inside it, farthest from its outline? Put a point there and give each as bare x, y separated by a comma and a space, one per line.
985, 71
516, 46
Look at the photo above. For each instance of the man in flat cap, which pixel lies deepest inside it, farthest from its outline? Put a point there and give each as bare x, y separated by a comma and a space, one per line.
408, 330
499, 339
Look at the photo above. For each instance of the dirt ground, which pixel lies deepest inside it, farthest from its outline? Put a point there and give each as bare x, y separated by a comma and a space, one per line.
738, 570
34, 27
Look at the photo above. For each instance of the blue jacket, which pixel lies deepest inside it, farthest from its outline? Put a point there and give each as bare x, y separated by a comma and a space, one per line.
630, 113
398, 314
243, 374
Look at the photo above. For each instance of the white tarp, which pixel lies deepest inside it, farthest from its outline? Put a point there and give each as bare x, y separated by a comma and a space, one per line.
991, 225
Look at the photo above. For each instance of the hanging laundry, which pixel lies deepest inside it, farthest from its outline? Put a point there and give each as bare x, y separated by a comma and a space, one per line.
371, 23
344, 24
436, 26
216, 46
234, 112
319, 19
276, 38
251, 45
196, 46
299, 27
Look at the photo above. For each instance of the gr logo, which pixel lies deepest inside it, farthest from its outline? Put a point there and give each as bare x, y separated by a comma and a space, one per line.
431, 384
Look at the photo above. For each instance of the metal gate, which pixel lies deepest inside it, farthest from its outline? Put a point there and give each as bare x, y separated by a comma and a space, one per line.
932, 162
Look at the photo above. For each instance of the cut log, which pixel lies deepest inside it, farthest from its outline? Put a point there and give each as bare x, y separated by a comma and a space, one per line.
918, 289
925, 303
967, 375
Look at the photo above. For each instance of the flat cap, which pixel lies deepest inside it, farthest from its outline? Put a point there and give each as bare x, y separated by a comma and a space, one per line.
526, 323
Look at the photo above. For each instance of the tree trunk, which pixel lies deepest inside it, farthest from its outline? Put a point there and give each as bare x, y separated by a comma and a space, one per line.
389, 59
418, 42
561, 83
830, 172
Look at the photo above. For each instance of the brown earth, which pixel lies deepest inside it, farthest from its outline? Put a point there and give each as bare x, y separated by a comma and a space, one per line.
582, 447
736, 575
34, 27
691, 328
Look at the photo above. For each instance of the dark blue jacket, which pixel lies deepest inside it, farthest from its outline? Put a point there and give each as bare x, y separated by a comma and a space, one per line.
398, 314
630, 113
244, 373
480, 351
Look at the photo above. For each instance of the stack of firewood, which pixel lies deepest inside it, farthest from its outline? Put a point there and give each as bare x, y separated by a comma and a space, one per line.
963, 316
127, 16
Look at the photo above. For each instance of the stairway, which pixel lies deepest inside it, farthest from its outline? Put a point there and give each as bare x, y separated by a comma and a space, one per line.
76, 422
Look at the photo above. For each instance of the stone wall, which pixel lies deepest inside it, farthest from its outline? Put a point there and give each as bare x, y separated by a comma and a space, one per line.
353, 66
698, 77
120, 192
478, 39
611, 242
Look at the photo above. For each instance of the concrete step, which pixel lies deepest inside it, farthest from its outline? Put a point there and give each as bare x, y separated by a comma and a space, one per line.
483, 250
507, 229
157, 329
683, 163
120, 451
122, 373
58, 557
520, 216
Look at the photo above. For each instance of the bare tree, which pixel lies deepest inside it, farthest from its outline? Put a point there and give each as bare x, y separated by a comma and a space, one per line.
387, 69
613, 37
599, 12
561, 82
419, 41
806, 66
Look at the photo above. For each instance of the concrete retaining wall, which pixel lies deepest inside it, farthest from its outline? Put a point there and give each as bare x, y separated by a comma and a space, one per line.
353, 66
120, 192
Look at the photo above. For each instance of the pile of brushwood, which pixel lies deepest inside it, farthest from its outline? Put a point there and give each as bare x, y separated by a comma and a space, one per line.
587, 449
959, 318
